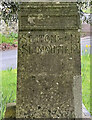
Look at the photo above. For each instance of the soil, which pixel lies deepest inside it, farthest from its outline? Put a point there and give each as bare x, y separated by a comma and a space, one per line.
6, 46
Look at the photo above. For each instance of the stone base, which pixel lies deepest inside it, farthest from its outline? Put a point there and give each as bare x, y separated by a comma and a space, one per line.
85, 113
11, 111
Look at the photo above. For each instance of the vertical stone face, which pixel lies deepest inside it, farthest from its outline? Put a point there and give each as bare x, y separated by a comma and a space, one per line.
48, 61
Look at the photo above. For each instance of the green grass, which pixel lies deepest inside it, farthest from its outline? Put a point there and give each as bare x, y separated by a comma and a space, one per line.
85, 72
9, 79
11, 38
9, 83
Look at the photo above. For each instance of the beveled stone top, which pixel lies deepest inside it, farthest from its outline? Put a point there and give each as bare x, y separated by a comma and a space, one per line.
57, 16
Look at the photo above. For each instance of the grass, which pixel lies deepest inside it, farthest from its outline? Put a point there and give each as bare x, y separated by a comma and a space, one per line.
9, 84
9, 78
11, 38
85, 72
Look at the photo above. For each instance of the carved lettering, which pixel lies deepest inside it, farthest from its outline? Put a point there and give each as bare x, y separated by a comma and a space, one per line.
44, 44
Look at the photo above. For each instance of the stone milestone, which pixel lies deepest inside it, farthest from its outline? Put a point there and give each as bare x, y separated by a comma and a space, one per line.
49, 64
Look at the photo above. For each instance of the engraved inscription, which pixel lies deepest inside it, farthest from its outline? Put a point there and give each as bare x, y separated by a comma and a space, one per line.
49, 44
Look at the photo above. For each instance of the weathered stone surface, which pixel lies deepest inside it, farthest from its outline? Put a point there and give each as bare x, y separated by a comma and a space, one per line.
10, 110
85, 113
48, 61
53, 16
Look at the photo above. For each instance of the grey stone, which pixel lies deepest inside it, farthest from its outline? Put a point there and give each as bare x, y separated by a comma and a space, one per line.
85, 113
48, 61
11, 111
